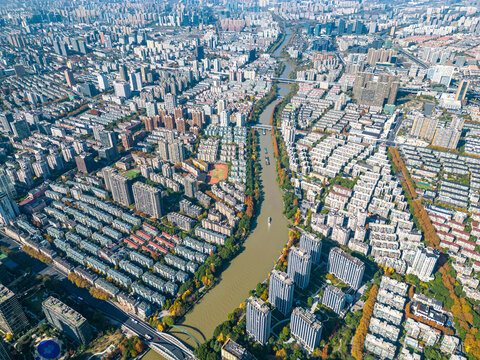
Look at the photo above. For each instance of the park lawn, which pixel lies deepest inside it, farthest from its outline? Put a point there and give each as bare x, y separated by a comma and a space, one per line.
100, 344
34, 303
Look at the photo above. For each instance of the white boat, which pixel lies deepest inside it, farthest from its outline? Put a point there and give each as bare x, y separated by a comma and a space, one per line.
269, 220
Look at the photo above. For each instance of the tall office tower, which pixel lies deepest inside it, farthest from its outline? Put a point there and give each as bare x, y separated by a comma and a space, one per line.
64, 50
347, 268
191, 186
198, 117
80, 147
122, 90
224, 118
313, 245
258, 320
441, 74
69, 77
305, 328
102, 82
68, 152
170, 103
341, 27
176, 152
6, 185
380, 56
424, 127
12, 317
240, 119
372, 89
329, 27
199, 53
178, 113
121, 189
54, 160
25, 174
151, 123
8, 209
136, 81
299, 266
122, 73
104, 137
12, 175
148, 199
167, 170
4, 352
144, 72
462, 90
334, 299
5, 120
127, 140
289, 133
108, 41
169, 122
181, 125
424, 263
67, 320
82, 46
40, 167
151, 108
162, 149
56, 47
84, 162
107, 172
20, 129
280, 292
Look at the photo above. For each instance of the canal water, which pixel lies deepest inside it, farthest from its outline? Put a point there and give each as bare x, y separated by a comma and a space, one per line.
260, 250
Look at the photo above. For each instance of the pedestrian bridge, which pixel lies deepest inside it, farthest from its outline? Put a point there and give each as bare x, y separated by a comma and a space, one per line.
262, 127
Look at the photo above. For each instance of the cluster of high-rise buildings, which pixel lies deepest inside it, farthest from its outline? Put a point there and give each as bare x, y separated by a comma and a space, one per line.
103, 124
305, 327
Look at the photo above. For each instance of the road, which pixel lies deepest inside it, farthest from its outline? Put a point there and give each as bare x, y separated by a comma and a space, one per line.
167, 345
412, 57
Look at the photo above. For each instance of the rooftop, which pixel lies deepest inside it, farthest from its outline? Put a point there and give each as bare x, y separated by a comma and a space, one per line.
233, 348
5, 293
65, 311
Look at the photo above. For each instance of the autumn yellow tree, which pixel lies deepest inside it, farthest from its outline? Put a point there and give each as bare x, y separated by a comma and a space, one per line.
361, 332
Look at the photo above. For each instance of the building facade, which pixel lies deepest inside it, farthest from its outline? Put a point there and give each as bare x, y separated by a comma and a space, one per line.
67, 320
299, 266
148, 199
12, 317
346, 267
280, 293
424, 263
334, 299
258, 320
305, 328
313, 245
